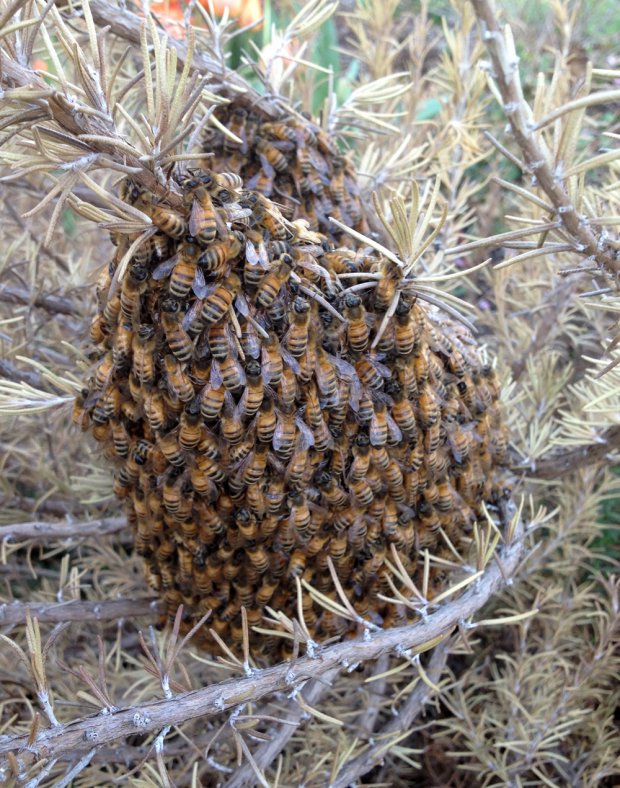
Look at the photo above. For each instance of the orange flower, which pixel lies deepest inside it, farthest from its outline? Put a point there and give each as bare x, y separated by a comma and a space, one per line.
244, 11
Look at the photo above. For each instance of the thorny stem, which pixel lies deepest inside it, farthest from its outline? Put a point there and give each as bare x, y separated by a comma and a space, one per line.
519, 114
69, 740
59, 612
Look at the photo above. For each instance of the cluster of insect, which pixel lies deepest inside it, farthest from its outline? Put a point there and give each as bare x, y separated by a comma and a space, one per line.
266, 422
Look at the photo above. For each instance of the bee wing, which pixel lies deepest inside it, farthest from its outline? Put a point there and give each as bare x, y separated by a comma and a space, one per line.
289, 360
164, 269
279, 435
345, 369
192, 314
384, 371
267, 168
199, 285
195, 217
251, 254
305, 434
215, 380
393, 429
263, 257
234, 212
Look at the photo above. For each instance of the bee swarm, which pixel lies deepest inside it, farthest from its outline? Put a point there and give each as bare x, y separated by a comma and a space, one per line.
263, 416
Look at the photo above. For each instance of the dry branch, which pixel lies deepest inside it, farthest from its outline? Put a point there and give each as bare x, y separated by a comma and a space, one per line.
414, 704
41, 531
127, 26
519, 114
59, 612
267, 753
69, 741
560, 463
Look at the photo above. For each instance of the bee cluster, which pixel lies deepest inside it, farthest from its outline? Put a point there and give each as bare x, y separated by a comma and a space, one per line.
292, 162
266, 422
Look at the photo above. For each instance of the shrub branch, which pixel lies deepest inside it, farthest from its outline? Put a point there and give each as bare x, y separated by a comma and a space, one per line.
536, 156
70, 740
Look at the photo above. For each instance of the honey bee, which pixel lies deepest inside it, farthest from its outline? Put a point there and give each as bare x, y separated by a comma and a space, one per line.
111, 312
178, 340
272, 281
408, 327
190, 430
154, 410
134, 285
219, 339
203, 218
297, 337
266, 420
170, 448
232, 427
231, 373
266, 590
120, 437
361, 492
428, 406
236, 122
274, 495
272, 366
275, 157
80, 416
104, 281
460, 441
402, 410
370, 372
179, 383
300, 517
143, 349
214, 259
361, 457
168, 221
335, 497
285, 434
296, 564
386, 286
337, 184
210, 468
98, 330
253, 393
383, 426
121, 350
218, 302
288, 389
326, 378
279, 131
212, 399
357, 328
255, 465
183, 270
259, 558
108, 405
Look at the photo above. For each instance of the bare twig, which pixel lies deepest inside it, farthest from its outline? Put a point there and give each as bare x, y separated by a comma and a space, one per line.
51, 303
41, 531
68, 741
55, 612
519, 114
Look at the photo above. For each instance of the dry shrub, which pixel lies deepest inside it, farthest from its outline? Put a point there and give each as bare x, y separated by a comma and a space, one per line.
520, 692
